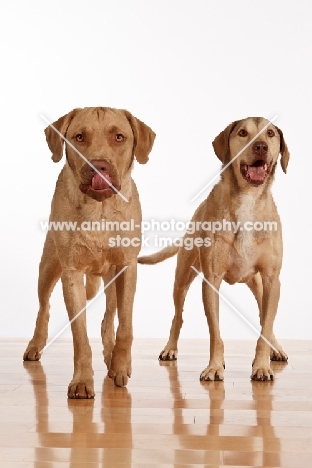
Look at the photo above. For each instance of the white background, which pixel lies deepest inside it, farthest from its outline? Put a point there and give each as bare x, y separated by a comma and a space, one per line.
187, 69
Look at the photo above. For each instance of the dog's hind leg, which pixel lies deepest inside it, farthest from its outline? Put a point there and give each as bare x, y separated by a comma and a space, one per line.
49, 274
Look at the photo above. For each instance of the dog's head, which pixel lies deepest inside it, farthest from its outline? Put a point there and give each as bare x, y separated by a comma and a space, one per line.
252, 146
101, 144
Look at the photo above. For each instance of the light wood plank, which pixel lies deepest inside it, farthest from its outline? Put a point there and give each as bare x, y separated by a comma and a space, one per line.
165, 417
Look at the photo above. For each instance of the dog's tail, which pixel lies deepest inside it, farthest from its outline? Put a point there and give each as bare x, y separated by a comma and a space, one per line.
159, 256
92, 285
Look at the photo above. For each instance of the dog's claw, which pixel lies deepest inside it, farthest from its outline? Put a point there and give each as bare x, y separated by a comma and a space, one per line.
80, 390
168, 355
212, 373
262, 373
280, 357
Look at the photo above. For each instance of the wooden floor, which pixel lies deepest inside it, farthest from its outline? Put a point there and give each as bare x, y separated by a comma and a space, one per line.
165, 417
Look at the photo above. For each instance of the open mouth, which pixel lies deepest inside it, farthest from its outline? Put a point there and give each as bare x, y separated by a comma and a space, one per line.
255, 173
100, 187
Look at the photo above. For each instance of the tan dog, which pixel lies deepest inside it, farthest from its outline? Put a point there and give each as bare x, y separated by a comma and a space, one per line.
254, 257
93, 189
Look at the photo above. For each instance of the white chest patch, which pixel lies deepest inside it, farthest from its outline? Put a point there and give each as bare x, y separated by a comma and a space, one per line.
246, 217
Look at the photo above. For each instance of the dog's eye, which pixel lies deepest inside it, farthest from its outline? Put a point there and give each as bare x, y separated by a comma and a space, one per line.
119, 137
270, 133
242, 132
79, 137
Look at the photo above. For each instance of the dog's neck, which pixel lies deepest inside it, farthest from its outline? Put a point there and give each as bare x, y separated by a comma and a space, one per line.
243, 202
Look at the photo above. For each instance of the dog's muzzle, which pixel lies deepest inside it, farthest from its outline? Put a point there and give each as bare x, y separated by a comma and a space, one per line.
99, 180
257, 172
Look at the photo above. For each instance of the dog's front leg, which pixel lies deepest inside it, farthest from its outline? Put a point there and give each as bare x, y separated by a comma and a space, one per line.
215, 368
120, 368
74, 293
49, 273
271, 291
107, 328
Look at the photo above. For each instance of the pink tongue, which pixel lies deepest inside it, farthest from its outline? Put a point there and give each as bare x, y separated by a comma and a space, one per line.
98, 183
256, 173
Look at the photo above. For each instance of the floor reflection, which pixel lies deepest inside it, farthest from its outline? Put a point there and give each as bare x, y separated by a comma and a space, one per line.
207, 417
262, 447
81, 424
263, 398
254, 444
116, 417
39, 383
227, 423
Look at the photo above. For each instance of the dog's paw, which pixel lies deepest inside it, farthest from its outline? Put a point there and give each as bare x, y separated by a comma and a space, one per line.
120, 368
81, 389
32, 353
261, 372
168, 354
213, 372
278, 355
120, 376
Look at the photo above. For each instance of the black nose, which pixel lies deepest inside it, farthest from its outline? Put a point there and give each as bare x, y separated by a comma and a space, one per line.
260, 148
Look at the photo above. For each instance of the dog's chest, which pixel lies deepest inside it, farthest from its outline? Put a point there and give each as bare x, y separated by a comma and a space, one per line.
245, 218
102, 238
243, 254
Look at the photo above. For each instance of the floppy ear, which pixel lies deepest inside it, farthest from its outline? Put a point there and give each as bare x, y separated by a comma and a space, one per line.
143, 138
54, 139
283, 150
221, 142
